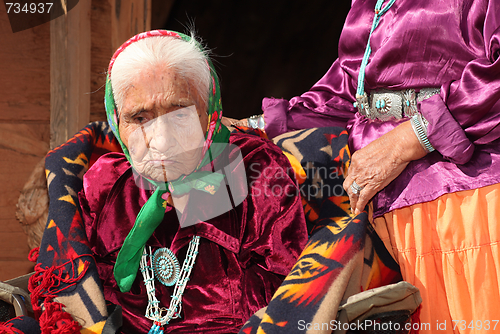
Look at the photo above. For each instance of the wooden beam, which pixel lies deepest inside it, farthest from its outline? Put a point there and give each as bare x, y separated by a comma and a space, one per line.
101, 54
24, 83
113, 22
7, 267
69, 73
22, 145
128, 18
24, 130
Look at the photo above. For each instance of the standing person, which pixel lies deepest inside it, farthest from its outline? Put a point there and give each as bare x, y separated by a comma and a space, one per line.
417, 84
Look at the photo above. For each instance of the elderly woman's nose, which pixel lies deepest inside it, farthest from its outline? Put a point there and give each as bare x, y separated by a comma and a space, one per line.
162, 139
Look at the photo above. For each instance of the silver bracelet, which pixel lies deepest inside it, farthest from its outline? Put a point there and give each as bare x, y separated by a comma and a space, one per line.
419, 125
256, 122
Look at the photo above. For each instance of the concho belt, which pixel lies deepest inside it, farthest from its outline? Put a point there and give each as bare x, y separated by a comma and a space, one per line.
387, 104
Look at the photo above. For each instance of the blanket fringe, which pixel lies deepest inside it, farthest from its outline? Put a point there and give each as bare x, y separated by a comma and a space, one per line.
46, 283
54, 320
6, 328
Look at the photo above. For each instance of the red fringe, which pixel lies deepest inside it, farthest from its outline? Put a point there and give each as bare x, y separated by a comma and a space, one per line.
46, 283
56, 321
33, 255
8, 329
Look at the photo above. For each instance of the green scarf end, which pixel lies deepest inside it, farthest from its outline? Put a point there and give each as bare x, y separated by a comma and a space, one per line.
125, 284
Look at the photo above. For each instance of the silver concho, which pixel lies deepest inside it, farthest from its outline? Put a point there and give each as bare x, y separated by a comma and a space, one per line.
426, 93
385, 105
362, 105
409, 103
165, 266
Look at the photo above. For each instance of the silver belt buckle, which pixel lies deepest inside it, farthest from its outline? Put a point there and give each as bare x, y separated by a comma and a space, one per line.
387, 104
362, 105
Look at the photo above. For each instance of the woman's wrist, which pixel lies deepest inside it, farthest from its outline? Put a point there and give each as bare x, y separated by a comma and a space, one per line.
419, 125
405, 143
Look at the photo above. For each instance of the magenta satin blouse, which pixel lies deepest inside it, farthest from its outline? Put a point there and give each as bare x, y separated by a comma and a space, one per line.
451, 44
244, 254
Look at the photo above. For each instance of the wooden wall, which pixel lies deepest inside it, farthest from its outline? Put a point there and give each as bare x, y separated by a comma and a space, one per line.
24, 130
51, 83
113, 22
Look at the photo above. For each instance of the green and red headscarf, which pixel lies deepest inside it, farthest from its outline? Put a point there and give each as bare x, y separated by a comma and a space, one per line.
153, 211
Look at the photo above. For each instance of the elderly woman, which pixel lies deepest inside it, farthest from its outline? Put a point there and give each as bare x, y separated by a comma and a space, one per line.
191, 229
178, 194
417, 84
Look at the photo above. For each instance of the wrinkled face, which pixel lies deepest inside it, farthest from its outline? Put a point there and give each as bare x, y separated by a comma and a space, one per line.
162, 123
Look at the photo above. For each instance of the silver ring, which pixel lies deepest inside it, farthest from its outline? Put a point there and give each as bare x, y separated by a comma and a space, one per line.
356, 188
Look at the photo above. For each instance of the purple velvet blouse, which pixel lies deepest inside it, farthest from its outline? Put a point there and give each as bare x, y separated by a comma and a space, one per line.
453, 45
244, 254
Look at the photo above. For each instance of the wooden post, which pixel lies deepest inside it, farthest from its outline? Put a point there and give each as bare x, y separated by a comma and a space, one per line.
128, 18
69, 73
24, 130
113, 22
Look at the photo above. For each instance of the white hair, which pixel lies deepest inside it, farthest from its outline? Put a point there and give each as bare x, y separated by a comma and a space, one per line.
185, 58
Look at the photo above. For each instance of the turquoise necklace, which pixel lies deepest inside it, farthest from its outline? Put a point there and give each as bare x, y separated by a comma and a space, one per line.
164, 265
361, 96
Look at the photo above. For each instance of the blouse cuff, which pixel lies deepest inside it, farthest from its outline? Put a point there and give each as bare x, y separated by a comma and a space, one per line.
445, 133
275, 116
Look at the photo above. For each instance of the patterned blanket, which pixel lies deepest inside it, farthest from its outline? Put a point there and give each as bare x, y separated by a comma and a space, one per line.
343, 256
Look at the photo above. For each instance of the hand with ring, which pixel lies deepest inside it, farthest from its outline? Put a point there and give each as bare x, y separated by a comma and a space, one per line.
229, 122
356, 188
373, 167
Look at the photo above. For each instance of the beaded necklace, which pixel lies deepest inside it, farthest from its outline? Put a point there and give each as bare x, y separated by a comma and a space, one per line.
361, 96
164, 265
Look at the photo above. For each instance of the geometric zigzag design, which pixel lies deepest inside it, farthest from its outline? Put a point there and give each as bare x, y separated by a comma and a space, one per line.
64, 243
320, 157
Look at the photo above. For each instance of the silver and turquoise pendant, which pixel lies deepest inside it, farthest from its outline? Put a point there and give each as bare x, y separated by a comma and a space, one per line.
166, 266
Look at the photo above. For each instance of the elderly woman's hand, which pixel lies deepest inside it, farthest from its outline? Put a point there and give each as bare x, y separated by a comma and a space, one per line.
227, 121
376, 165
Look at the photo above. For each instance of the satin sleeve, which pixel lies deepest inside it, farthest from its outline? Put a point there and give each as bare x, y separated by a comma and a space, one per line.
274, 228
467, 112
328, 103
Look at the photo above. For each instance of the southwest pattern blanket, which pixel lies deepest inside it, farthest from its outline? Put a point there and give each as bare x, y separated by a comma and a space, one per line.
343, 256
65, 280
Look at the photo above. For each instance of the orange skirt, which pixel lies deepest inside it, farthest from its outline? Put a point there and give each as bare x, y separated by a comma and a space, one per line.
449, 249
